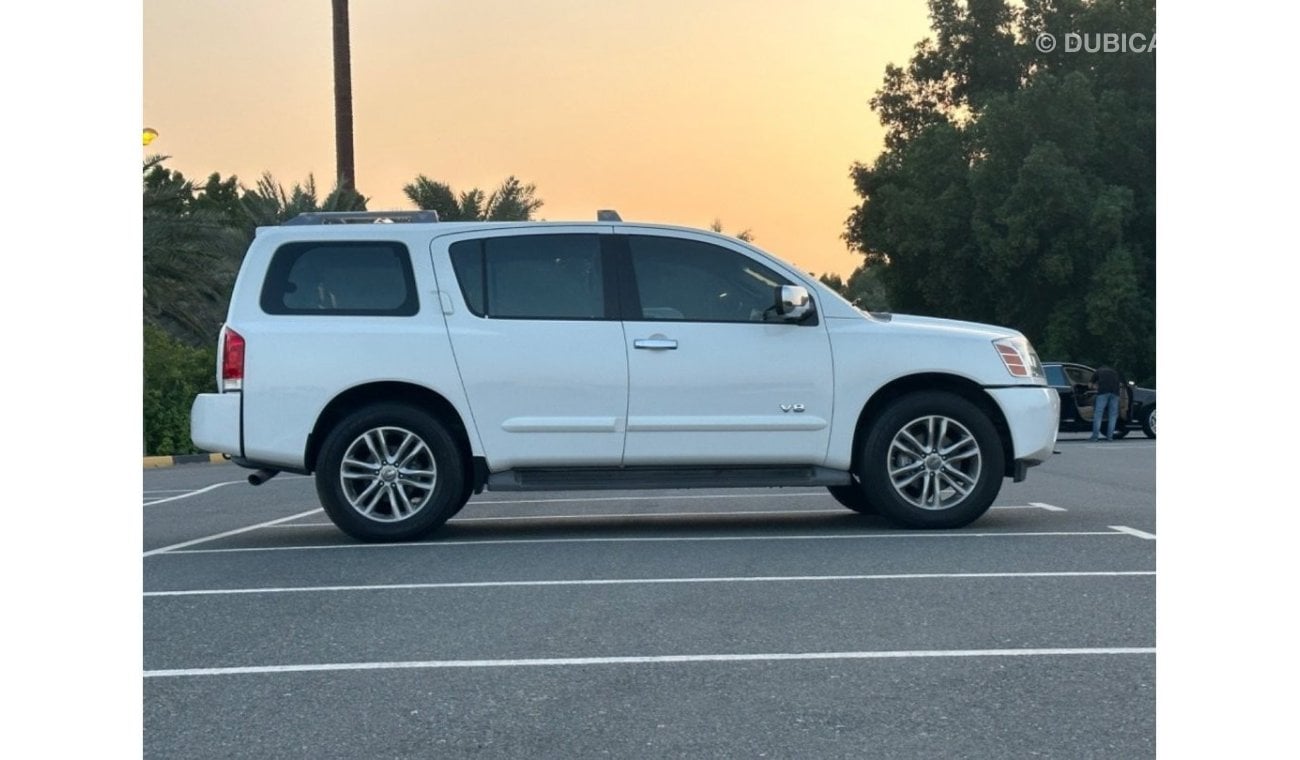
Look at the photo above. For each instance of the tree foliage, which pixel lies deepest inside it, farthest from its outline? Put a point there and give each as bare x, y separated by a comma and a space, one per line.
512, 201
173, 374
191, 252
746, 234
864, 288
1017, 186
269, 204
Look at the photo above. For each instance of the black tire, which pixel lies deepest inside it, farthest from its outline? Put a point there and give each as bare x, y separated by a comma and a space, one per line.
467, 493
977, 464
402, 461
852, 497
1149, 422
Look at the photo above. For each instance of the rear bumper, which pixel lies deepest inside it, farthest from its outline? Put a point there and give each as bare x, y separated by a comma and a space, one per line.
1033, 414
215, 423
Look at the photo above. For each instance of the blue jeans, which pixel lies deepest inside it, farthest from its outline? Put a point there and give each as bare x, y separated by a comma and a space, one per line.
1107, 404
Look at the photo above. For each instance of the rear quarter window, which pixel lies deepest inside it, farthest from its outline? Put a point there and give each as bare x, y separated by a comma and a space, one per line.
342, 279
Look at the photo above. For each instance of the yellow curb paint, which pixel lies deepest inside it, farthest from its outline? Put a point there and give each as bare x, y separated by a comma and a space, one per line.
168, 461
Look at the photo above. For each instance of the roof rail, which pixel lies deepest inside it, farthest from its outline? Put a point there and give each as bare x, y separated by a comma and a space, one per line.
363, 217
608, 215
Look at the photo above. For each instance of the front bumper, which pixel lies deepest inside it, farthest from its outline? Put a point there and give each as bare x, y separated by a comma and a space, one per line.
215, 423
1033, 414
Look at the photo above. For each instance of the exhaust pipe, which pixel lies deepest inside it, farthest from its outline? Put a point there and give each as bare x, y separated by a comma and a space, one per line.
261, 476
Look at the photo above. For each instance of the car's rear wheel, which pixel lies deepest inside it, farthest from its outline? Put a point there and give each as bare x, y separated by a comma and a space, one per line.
1149, 423
932, 460
389, 472
853, 497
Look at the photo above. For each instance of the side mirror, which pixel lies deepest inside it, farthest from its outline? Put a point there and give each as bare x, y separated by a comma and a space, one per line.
793, 302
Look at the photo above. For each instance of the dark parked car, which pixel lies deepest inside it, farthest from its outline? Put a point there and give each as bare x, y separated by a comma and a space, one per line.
1137, 406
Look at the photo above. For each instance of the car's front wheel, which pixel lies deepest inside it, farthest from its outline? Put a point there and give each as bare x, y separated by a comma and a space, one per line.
389, 472
1149, 423
932, 460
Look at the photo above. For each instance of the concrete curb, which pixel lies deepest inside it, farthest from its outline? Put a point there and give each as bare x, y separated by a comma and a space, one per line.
152, 462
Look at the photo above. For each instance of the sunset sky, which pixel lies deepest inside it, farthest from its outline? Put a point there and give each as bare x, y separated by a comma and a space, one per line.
674, 111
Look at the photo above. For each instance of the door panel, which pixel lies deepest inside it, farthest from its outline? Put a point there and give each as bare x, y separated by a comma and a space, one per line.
728, 394
539, 399
540, 353
713, 379
1084, 397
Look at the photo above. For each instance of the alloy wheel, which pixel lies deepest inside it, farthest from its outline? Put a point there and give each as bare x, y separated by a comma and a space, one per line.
388, 474
934, 462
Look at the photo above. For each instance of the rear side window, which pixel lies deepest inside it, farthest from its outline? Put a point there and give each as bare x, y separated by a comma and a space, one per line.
532, 276
341, 278
1056, 376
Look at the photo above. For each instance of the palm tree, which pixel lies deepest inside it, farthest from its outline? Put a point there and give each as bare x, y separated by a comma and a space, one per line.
270, 204
190, 257
512, 201
343, 99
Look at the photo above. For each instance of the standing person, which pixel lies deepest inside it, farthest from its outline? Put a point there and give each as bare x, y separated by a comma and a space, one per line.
1106, 380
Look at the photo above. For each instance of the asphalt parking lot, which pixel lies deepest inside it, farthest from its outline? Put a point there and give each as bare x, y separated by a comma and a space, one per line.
742, 623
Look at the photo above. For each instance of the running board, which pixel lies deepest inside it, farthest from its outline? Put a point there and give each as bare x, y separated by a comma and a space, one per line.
637, 478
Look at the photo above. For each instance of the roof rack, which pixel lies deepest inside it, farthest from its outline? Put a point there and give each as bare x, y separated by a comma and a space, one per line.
608, 215
363, 217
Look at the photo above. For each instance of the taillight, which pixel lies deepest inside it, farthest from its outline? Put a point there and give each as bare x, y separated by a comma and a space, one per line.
232, 361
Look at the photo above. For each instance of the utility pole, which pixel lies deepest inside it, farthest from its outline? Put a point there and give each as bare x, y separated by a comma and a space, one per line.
343, 99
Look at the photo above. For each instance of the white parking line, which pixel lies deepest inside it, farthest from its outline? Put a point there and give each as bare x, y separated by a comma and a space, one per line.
623, 515
234, 532
648, 539
1133, 532
185, 493
196, 492
671, 497
526, 516
653, 582
651, 660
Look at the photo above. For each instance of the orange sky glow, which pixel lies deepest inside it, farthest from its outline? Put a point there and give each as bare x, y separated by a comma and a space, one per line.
750, 112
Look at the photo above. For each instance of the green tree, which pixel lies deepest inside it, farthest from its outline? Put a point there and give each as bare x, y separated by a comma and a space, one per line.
864, 288
174, 373
833, 281
190, 255
512, 201
1017, 186
269, 204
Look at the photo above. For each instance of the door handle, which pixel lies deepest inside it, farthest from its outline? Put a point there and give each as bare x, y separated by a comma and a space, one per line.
655, 344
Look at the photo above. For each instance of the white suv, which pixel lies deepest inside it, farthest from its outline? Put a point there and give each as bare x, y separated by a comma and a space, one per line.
411, 365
